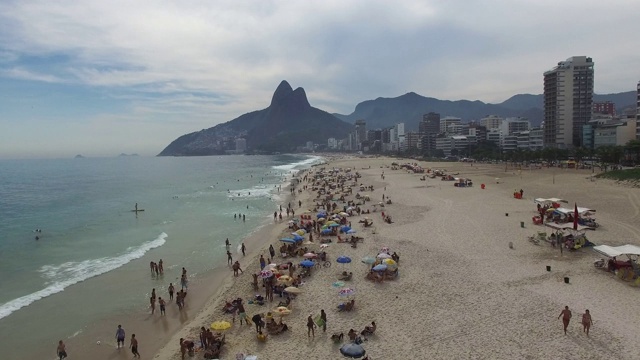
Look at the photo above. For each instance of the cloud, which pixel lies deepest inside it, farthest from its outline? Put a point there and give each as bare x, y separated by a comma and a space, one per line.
214, 61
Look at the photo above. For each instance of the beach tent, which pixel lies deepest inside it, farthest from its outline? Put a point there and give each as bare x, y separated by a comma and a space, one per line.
567, 226
543, 201
581, 210
612, 251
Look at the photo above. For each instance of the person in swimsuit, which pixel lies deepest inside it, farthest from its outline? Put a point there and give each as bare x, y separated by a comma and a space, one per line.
566, 317
152, 304
586, 321
134, 346
162, 306
62, 353
243, 248
242, 314
120, 336
171, 290
311, 327
161, 266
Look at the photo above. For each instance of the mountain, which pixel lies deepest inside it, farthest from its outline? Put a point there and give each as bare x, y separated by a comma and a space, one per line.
409, 108
289, 121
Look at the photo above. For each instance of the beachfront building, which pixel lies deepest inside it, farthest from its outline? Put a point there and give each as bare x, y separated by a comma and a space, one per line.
491, 122
514, 125
429, 128
460, 143
241, 145
509, 143
447, 121
412, 142
494, 136
614, 134
361, 133
604, 107
568, 97
332, 143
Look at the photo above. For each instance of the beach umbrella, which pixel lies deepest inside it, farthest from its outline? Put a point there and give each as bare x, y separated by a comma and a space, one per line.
352, 350
301, 232
282, 311
380, 267
324, 246
330, 222
292, 290
307, 263
297, 238
351, 231
324, 227
338, 284
285, 279
343, 259
322, 220
344, 214
310, 255
389, 262
288, 240
345, 228
368, 260
220, 325
326, 231
384, 256
265, 274
321, 215
334, 225
346, 292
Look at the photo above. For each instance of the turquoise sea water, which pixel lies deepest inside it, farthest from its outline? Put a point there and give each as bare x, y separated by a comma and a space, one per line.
92, 243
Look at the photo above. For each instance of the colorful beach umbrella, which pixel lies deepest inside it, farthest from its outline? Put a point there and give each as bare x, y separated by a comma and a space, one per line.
310, 255
297, 237
220, 325
343, 259
346, 292
265, 274
307, 263
288, 240
351, 231
301, 232
282, 311
380, 267
338, 284
384, 256
285, 279
368, 260
389, 262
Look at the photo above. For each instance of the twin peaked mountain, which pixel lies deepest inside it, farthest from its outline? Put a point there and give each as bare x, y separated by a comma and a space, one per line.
289, 121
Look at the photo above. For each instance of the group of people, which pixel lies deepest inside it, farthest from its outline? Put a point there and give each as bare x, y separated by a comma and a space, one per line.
156, 268
566, 318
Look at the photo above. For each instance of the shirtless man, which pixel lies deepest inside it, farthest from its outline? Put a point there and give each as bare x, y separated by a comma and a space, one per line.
134, 346
236, 267
566, 317
153, 293
243, 248
160, 267
152, 266
162, 306
171, 291
61, 351
229, 258
120, 336
586, 321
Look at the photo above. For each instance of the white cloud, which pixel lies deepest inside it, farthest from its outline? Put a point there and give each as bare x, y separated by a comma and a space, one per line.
24, 74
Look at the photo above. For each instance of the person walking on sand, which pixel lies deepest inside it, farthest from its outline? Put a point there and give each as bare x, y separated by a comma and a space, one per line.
310, 327
262, 262
242, 314
134, 346
229, 258
171, 291
163, 305
120, 336
243, 248
566, 317
323, 316
61, 350
586, 321
272, 251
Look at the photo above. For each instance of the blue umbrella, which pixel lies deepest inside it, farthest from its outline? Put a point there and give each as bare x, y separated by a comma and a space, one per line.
308, 263
334, 225
352, 350
351, 231
380, 267
326, 231
298, 238
343, 259
321, 215
345, 228
288, 240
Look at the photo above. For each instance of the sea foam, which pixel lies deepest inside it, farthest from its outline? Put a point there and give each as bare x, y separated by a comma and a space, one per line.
64, 275
300, 164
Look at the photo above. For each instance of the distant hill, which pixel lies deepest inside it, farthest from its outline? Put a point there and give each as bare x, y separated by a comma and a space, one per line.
409, 108
288, 122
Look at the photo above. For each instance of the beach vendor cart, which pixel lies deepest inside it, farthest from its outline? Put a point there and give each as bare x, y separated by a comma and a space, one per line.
626, 269
567, 235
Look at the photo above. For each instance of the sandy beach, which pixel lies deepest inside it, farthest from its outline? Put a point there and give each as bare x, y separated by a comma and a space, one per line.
461, 291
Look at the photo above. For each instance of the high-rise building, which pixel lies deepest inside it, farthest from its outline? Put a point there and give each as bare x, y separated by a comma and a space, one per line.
361, 133
604, 107
568, 96
447, 121
429, 128
491, 122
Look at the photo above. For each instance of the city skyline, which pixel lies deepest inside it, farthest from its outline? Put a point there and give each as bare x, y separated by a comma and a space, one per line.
141, 74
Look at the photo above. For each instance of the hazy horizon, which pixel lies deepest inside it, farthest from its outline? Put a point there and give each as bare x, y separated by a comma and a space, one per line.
148, 72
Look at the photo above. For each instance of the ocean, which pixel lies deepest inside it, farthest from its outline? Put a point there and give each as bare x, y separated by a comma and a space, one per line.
92, 254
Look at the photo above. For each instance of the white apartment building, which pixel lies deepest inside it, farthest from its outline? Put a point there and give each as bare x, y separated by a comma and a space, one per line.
491, 122
332, 143
447, 121
513, 125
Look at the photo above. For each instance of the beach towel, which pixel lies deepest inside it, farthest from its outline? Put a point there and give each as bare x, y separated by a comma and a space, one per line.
319, 321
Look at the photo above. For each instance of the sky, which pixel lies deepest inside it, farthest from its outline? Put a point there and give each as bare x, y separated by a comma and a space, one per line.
100, 78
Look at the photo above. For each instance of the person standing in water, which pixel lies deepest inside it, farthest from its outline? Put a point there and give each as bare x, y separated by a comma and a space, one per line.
171, 290
243, 248
120, 336
62, 352
227, 243
229, 258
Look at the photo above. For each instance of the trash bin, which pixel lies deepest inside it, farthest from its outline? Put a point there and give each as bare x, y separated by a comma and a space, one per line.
521, 224
482, 186
548, 268
566, 280
506, 214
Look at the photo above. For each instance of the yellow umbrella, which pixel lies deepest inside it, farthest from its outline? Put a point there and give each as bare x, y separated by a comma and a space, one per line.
220, 325
389, 262
301, 232
331, 222
285, 279
322, 220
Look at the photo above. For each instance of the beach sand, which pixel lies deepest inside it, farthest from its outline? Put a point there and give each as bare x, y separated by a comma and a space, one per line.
462, 293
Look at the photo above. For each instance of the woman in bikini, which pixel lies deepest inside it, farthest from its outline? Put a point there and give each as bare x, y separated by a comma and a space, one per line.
586, 321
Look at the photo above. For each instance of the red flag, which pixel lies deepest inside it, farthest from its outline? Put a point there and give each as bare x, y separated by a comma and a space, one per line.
575, 216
